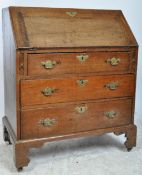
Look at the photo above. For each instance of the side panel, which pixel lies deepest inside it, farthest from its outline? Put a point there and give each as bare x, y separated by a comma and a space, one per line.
9, 56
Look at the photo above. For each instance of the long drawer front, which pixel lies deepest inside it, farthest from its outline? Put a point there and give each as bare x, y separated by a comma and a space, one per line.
44, 91
72, 63
63, 119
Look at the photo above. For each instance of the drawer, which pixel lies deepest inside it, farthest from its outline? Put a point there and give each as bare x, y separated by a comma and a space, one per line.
77, 117
71, 63
43, 91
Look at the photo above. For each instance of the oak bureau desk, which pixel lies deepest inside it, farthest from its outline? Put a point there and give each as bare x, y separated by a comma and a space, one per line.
68, 73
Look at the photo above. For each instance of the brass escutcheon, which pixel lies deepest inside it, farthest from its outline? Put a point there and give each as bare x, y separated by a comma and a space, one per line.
82, 58
82, 82
110, 114
113, 61
47, 122
72, 14
81, 109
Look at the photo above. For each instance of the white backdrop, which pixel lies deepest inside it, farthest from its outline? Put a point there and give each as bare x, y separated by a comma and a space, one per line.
132, 10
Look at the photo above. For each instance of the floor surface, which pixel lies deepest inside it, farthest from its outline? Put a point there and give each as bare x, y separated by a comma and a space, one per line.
97, 155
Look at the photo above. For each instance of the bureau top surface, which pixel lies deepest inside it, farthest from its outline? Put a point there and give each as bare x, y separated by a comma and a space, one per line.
61, 28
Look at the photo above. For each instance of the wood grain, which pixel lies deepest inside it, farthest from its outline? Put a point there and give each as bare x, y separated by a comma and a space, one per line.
51, 27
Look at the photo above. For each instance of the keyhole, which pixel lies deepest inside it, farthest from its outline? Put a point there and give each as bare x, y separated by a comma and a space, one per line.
82, 81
